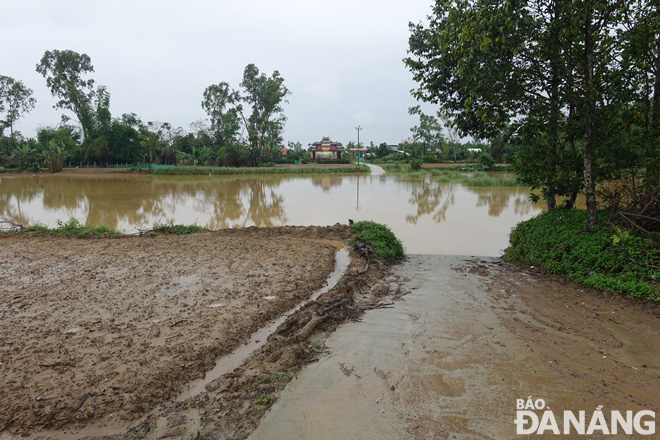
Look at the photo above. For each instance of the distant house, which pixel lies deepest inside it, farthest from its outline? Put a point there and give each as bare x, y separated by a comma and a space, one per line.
474, 150
283, 151
326, 149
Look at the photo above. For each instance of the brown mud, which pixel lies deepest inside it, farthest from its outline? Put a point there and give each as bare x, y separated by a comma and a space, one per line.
447, 360
108, 329
471, 337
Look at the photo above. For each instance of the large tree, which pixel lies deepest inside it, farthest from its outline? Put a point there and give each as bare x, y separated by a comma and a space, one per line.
220, 104
542, 71
258, 104
65, 72
15, 101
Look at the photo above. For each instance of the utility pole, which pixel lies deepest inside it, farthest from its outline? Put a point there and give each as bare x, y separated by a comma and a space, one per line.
358, 128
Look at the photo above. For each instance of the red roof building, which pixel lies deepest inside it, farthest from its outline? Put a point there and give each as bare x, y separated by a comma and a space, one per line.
326, 149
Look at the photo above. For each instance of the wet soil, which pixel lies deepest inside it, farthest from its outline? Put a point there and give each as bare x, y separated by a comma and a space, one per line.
436, 348
471, 337
111, 328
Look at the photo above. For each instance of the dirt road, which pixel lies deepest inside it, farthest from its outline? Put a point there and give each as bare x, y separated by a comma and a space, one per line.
470, 338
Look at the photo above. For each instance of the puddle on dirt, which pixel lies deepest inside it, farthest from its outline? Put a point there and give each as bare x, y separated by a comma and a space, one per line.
234, 360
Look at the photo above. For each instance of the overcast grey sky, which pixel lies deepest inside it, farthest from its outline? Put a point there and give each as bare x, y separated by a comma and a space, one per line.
341, 59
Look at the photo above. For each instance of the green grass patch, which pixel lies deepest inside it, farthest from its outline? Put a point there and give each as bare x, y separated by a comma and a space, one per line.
382, 240
186, 171
261, 401
403, 169
72, 228
477, 178
608, 259
179, 229
482, 179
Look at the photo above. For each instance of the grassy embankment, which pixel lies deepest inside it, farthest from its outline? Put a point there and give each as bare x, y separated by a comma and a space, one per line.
73, 228
609, 258
183, 170
385, 245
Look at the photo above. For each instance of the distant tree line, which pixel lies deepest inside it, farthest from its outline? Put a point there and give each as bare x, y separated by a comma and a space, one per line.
246, 124
574, 84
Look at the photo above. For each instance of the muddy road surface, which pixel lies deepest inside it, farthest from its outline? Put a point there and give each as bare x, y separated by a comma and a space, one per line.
471, 337
114, 336
110, 328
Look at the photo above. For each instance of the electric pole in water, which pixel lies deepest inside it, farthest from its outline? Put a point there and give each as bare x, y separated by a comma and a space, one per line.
358, 128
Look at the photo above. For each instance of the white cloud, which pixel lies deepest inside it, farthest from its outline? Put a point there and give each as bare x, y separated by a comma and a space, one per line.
341, 59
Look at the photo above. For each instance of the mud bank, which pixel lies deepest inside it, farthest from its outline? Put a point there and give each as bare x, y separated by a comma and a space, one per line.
471, 337
111, 328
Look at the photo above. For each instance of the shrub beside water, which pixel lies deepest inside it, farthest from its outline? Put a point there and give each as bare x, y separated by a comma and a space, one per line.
72, 228
608, 259
382, 240
179, 229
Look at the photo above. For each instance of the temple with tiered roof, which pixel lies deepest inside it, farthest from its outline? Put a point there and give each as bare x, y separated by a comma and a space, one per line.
326, 149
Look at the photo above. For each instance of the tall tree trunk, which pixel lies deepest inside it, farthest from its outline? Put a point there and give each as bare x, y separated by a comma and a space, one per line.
590, 133
553, 124
655, 115
11, 126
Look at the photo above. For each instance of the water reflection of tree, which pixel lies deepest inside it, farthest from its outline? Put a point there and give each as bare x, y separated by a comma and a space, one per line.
430, 198
497, 199
137, 200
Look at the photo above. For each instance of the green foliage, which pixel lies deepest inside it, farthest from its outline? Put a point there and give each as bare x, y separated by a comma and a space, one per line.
64, 71
484, 180
382, 240
486, 161
72, 228
415, 165
15, 100
53, 155
24, 157
259, 170
560, 242
572, 85
404, 169
274, 379
261, 401
263, 96
179, 229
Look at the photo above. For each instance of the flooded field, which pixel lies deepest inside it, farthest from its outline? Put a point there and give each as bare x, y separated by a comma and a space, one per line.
119, 326
430, 217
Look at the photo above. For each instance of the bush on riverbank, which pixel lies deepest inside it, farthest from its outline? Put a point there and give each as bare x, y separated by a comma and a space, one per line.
72, 228
382, 240
608, 259
184, 170
179, 229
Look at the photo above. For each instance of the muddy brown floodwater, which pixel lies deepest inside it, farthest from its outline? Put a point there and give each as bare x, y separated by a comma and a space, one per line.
110, 328
430, 217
